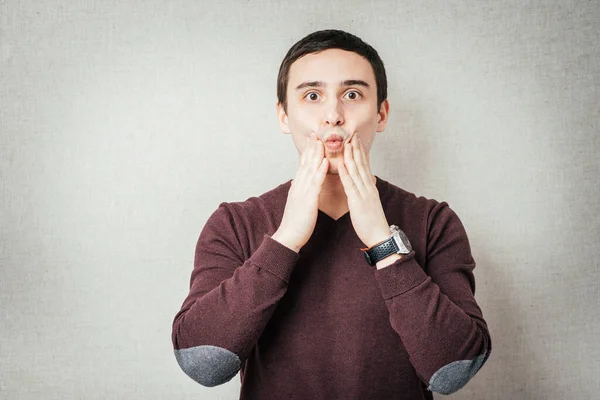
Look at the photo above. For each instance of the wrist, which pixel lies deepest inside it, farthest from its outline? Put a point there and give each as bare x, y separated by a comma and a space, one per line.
286, 241
388, 261
381, 236
387, 250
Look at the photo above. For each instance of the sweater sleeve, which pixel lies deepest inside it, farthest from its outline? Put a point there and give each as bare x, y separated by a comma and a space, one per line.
435, 312
231, 300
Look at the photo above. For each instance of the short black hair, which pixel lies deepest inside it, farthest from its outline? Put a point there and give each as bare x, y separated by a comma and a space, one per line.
331, 39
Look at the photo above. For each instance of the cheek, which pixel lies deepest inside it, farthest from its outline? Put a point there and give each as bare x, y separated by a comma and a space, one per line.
300, 128
365, 117
300, 124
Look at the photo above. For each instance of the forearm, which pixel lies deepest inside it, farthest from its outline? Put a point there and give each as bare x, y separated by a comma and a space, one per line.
435, 330
232, 314
216, 329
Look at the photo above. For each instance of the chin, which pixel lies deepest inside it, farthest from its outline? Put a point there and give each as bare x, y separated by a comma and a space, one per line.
334, 153
333, 171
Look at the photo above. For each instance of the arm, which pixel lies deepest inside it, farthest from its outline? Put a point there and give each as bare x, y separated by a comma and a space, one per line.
435, 313
230, 300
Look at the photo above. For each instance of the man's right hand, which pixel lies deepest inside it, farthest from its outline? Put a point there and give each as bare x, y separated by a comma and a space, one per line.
302, 206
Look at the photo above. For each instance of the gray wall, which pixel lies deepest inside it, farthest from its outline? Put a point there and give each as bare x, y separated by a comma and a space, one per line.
125, 124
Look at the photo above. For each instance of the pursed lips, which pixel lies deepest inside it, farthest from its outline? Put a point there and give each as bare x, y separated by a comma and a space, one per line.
335, 138
334, 143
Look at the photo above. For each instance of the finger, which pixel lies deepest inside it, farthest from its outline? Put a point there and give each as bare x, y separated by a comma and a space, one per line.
320, 174
346, 180
317, 156
303, 152
316, 179
352, 136
307, 153
304, 159
365, 157
314, 158
356, 153
351, 166
359, 160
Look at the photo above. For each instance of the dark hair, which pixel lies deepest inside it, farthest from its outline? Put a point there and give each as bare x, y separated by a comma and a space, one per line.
331, 39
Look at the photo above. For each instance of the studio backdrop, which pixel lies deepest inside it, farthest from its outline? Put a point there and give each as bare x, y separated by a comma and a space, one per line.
123, 125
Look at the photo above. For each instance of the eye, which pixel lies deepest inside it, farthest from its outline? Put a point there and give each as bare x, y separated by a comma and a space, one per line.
353, 95
312, 96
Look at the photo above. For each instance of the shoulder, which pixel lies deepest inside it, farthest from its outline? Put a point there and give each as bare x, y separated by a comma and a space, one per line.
268, 204
420, 210
431, 225
411, 202
249, 220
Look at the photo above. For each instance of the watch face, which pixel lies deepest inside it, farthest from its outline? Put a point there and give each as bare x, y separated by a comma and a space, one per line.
405, 240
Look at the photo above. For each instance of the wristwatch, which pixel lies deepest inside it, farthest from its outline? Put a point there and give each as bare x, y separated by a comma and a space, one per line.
397, 243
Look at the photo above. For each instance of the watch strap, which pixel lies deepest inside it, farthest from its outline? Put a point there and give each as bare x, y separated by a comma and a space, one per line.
380, 251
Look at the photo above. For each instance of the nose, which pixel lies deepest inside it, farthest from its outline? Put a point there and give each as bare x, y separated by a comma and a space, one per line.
334, 113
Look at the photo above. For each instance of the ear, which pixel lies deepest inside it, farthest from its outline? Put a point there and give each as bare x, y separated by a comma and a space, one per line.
383, 113
282, 117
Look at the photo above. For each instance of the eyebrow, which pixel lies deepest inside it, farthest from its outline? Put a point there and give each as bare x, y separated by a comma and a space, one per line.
348, 82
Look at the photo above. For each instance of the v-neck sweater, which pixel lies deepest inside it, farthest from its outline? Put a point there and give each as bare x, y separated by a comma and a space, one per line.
322, 323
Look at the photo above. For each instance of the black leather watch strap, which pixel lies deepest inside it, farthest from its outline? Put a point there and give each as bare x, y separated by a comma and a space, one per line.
381, 251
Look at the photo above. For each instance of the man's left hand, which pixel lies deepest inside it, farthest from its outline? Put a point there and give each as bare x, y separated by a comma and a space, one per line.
366, 211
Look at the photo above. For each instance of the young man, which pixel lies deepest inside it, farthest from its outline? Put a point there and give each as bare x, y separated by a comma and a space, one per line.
336, 284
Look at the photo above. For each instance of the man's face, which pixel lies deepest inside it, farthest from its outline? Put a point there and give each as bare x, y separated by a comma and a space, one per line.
332, 93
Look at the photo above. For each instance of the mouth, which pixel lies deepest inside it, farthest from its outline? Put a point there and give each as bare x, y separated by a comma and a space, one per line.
334, 142
335, 138
334, 145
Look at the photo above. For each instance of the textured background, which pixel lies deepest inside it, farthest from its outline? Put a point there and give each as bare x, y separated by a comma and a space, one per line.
125, 123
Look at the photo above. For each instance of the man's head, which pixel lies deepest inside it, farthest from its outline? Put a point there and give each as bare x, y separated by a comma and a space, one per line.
332, 83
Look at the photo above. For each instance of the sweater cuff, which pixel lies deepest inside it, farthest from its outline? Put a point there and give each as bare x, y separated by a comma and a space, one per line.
275, 258
400, 277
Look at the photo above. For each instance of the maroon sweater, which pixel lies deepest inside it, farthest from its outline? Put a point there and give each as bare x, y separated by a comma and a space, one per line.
322, 323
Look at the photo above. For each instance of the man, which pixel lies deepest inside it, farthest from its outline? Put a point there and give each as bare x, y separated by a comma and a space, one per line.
336, 284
